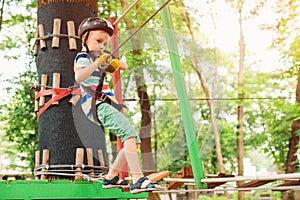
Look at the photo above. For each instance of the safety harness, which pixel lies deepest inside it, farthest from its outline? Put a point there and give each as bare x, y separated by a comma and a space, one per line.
97, 95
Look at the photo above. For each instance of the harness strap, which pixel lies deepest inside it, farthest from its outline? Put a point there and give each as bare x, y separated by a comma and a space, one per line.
101, 96
60, 93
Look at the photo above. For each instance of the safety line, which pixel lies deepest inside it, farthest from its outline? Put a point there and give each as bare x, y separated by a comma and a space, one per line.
126, 11
213, 99
275, 188
141, 26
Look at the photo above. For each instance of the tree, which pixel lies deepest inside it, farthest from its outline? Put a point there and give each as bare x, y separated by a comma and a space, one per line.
146, 118
63, 128
21, 123
19, 120
196, 65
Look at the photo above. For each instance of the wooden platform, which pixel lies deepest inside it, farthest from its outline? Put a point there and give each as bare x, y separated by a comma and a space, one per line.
217, 182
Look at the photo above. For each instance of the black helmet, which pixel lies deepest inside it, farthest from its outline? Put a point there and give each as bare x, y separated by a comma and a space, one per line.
95, 23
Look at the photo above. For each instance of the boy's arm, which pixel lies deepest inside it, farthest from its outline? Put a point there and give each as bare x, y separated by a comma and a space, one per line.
83, 73
123, 65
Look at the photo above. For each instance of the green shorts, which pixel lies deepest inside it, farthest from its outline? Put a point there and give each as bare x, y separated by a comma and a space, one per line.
116, 122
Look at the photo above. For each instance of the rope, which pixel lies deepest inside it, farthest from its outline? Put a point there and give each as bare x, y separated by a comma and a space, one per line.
55, 35
84, 176
232, 189
126, 11
67, 166
140, 27
213, 99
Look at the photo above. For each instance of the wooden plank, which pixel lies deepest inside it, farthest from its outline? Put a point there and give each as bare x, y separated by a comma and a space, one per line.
79, 161
220, 175
255, 183
185, 172
71, 33
56, 32
289, 183
45, 161
158, 176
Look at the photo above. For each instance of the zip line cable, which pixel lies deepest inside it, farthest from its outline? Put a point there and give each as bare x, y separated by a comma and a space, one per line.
140, 27
214, 99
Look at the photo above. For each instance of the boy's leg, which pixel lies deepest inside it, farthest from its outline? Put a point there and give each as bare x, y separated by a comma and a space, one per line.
119, 124
117, 166
131, 155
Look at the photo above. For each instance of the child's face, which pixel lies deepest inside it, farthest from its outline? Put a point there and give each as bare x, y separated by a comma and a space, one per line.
97, 41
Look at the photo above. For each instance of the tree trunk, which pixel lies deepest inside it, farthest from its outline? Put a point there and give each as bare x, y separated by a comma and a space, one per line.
145, 131
291, 161
62, 127
240, 110
210, 103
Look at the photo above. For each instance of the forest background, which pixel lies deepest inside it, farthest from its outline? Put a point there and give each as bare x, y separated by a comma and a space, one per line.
209, 30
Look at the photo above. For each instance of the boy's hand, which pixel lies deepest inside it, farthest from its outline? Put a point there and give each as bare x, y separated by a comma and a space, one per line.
113, 66
104, 59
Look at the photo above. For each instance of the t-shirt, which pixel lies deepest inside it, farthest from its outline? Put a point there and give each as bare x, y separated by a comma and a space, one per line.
83, 60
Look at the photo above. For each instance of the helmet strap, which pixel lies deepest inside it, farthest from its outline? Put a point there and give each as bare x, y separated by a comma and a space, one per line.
84, 46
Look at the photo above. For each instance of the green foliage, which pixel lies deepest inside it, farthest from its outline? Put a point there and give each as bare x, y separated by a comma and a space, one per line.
20, 128
21, 123
267, 121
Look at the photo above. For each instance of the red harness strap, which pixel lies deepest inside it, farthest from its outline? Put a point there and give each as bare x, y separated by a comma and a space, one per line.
59, 94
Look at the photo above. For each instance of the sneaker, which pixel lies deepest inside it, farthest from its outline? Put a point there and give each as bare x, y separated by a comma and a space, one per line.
144, 185
115, 182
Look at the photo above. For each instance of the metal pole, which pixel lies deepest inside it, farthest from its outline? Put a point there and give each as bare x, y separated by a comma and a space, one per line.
187, 119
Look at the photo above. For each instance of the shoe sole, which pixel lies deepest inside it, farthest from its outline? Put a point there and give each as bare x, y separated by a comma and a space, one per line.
114, 186
135, 191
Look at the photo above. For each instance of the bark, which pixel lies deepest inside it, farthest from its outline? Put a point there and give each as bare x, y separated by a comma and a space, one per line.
240, 109
210, 103
291, 161
63, 128
1, 13
145, 131
146, 121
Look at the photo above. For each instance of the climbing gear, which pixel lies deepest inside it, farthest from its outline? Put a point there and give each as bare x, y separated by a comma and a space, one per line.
101, 96
115, 182
95, 23
139, 28
104, 59
59, 93
113, 66
144, 185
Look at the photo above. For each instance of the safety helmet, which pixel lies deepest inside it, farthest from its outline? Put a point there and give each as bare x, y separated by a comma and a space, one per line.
95, 23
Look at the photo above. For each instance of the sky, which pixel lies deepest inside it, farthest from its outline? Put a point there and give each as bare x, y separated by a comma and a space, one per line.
226, 35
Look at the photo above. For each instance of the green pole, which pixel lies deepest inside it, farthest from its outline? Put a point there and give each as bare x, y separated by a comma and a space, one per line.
189, 129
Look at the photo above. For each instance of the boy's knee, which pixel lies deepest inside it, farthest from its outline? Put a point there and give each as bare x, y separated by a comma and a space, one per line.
138, 146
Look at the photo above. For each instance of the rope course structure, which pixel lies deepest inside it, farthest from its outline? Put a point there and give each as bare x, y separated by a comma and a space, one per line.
188, 176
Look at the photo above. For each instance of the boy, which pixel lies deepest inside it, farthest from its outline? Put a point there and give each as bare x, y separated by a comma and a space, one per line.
95, 34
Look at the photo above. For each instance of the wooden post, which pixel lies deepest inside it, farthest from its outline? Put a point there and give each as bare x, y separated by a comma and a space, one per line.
90, 159
71, 34
56, 32
46, 156
79, 161
37, 162
101, 159
55, 84
43, 45
43, 87
36, 102
36, 44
